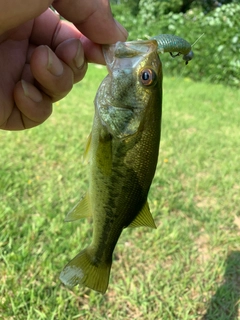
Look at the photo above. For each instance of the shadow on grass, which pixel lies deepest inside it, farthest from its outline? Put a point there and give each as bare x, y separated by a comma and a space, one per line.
225, 304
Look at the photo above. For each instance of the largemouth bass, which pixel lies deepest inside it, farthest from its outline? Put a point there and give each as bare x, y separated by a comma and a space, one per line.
123, 152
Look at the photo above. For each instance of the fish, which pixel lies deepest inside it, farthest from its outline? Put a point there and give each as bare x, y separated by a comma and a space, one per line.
122, 151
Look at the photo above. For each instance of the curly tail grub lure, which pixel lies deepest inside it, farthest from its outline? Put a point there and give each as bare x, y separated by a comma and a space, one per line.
170, 43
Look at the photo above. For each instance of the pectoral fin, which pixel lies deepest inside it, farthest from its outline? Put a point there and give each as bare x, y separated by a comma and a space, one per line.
144, 218
81, 210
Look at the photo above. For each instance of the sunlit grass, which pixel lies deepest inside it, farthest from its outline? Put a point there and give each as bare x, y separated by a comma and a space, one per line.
187, 268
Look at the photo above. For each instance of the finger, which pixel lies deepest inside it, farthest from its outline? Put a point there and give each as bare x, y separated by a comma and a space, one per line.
17, 12
50, 30
93, 51
72, 54
93, 18
54, 77
31, 107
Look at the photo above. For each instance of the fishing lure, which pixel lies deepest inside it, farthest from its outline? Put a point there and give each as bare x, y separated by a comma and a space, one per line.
170, 43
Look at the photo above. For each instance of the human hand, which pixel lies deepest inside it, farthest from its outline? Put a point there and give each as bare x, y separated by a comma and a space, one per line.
41, 56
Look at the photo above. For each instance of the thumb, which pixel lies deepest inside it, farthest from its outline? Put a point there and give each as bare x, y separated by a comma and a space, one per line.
93, 18
18, 12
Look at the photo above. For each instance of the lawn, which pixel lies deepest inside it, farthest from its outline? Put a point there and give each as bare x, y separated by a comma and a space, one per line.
188, 268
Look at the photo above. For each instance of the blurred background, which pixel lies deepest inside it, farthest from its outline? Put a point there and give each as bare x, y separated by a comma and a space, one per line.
189, 267
217, 51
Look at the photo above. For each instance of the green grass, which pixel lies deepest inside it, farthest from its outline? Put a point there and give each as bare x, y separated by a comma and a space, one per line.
189, 268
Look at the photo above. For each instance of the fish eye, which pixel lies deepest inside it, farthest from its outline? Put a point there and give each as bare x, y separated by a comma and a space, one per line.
148, 77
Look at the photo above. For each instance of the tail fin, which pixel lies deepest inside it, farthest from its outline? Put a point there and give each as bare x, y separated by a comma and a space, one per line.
82, 270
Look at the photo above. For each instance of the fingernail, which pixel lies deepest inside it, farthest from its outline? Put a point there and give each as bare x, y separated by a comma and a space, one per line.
31, 92
54, 65
122, 30
79, 57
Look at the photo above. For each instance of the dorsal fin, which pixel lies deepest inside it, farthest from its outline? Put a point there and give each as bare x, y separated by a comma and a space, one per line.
144, 218
81, 210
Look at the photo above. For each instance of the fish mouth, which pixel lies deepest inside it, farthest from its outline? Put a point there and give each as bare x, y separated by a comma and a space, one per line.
123, 55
